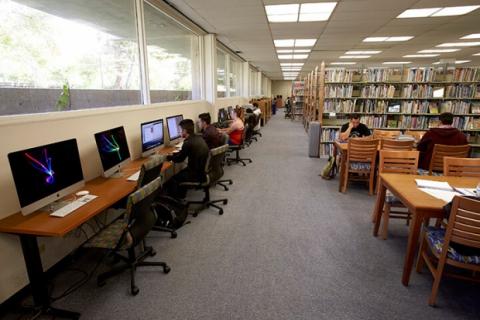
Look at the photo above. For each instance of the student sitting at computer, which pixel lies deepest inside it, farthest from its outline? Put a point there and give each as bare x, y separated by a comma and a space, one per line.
196, 149
444, 134
353, 129
212, 137
235, 129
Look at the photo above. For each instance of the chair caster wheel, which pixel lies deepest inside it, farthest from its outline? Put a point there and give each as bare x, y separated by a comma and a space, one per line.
225, 201
220, 212
134, 291
101, 283
195, 214
166, 269
152, 253
173, 235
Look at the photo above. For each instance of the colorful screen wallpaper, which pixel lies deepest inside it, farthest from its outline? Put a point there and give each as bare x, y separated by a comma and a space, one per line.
112, 146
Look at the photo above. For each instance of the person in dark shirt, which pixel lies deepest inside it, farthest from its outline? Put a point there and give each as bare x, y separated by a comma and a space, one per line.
196, 149
209, 133
444, 134
354, 129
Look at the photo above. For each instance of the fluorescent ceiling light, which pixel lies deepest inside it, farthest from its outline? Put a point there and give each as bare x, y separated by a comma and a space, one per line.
375, 39
354, 57
308, 17
300, 13
454, 11
462, 61
282, 9
389, 39
428, 55
397, 62
438, 50
459, 44
343, 63
284, 56
292, 64
404, 38
477, 54
302, 50
305, 42
284, 43
285, 51
291, 69
471, 36
363, 52
283, 18
300, 56
438, 62
418, 13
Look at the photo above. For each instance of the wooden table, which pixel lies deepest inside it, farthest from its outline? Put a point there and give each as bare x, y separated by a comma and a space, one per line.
342, 148
41, 224
421, 205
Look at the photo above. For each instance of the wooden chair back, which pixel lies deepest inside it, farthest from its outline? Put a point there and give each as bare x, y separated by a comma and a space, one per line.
464, 223
416, 134
362, 150
391, 144
461, 167
440, 151
379, 134
405, 162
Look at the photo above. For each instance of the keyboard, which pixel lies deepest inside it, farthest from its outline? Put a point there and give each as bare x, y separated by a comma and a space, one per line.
134, 177
179, 145
72, 206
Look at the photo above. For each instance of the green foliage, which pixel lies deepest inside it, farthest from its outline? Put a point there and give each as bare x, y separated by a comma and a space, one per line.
63, 101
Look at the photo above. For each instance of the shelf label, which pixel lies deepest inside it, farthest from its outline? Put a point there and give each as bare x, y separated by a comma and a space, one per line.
332, 114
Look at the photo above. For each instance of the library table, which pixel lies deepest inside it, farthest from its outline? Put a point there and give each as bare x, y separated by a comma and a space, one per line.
421, 205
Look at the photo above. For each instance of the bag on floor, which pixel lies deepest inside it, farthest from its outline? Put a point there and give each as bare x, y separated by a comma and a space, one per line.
330, 169
171, 213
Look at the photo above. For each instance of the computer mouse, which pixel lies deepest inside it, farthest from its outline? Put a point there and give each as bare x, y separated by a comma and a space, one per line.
82, 193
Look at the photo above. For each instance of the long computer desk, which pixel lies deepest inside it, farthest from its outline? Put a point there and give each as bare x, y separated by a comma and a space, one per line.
41, 224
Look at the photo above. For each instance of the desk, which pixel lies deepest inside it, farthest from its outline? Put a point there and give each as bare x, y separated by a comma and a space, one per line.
41, 224
421, 205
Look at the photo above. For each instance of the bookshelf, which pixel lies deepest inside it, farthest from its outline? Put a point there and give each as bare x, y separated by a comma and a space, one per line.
298, 95
398, 99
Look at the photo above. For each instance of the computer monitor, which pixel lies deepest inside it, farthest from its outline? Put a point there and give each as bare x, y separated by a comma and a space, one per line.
113, 149
174, 129
222, 115
152, 136
230, 109
46, 173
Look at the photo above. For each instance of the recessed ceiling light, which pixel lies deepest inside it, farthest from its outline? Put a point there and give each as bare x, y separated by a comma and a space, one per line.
284, 43
404, 38
397, 62
418, 13
438, 62
454, 11
283, 18
438, 50
477, 54
363, 52
305, 42
302, 50
471, 36
343, 63
389, 39
291, 69
292, 64
282, 9
300, 56
375, 39
428, 55
284, 56
459, 44
462, 61
316, 11
285, 51
354, 57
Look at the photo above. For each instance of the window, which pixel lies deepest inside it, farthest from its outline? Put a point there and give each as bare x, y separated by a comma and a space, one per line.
221, 71
67, 55
235, 72
253, 82
172, 51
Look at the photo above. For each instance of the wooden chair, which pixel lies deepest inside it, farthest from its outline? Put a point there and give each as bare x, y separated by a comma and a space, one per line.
361, 161
440, 245
441, 150
398, 145
416, 134
461, 167
404, 162
389, 134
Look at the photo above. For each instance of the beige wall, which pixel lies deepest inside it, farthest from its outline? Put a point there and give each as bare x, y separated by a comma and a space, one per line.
283, 88
25, 131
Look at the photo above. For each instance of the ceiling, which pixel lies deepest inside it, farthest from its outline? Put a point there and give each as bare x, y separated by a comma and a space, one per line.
242, 25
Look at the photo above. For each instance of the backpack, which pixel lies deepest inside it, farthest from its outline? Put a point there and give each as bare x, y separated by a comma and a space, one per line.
330, 169
171, 213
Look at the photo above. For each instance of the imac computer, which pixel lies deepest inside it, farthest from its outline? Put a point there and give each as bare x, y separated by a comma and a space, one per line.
113, 149
174, 129
222, 115
46, 173
230, 109
152, 136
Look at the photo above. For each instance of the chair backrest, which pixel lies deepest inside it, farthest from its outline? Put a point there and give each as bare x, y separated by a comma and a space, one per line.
247, 132
391, 144
225, 138
405, 162
461, 167
362, 150
214, 166
464, 223
377, 134
141, 217
441, 150
150, 170
416, 134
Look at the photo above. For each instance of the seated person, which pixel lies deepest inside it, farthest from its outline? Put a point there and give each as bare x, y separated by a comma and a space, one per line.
196, 149
354, 129
235, 129
210, 134
257, 112
444, 134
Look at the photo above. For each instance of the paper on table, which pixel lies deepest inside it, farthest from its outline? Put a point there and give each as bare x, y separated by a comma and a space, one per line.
430, 184
446, 196
467, 191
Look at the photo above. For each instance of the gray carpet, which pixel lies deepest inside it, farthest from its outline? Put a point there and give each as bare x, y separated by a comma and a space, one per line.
289, 246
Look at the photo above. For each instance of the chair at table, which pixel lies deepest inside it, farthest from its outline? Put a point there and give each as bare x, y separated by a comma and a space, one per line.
391, 144
237, 147
441, 150
360, 162
127, 233
404, 162
461, 167
213, 172
385, 134
415, 134
223, 182
457, 245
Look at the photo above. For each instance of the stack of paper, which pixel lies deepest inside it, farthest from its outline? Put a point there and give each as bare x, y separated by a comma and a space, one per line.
438, 189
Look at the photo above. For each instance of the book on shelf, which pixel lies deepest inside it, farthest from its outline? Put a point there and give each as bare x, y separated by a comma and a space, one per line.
392, 124
433, 108
475, 108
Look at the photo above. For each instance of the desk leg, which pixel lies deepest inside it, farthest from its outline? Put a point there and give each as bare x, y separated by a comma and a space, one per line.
38, 283
378, 210
413, 236
343, 162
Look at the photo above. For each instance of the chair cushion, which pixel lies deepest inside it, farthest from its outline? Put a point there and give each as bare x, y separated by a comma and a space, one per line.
364, 166
456, 252
391, 199
108, 238
423, 172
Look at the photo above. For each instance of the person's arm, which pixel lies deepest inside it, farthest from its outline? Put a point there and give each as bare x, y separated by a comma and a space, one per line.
345, 131
182, 154
423, 143
366, 131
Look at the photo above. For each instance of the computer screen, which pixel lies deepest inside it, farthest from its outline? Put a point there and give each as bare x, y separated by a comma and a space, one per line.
222, 115
230, 109
174, 129
113, 149
152, 135
46, 173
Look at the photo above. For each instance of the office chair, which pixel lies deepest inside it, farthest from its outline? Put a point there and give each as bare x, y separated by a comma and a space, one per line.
213, 172
224, 182
257, 121
249, 134
125, 234
237, 147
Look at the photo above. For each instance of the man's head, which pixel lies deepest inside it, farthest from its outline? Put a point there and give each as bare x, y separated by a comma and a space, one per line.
355, 120
446, 118
204, 120
188, 128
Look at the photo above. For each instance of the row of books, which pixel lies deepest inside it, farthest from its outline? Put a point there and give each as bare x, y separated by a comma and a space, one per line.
378, 91
462, 91
340, 91
467, 74
421, 74
339, 75
329, 135
326, 149
460, 107
418, 91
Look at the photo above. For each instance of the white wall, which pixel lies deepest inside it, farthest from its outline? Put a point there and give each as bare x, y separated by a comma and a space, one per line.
281, 87
25, 131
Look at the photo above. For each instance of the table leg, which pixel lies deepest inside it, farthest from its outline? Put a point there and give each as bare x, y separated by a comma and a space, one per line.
377, 211
38, 283
414, 233
343, 161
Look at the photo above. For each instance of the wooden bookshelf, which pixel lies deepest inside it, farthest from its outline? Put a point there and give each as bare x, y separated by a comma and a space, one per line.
298, 99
